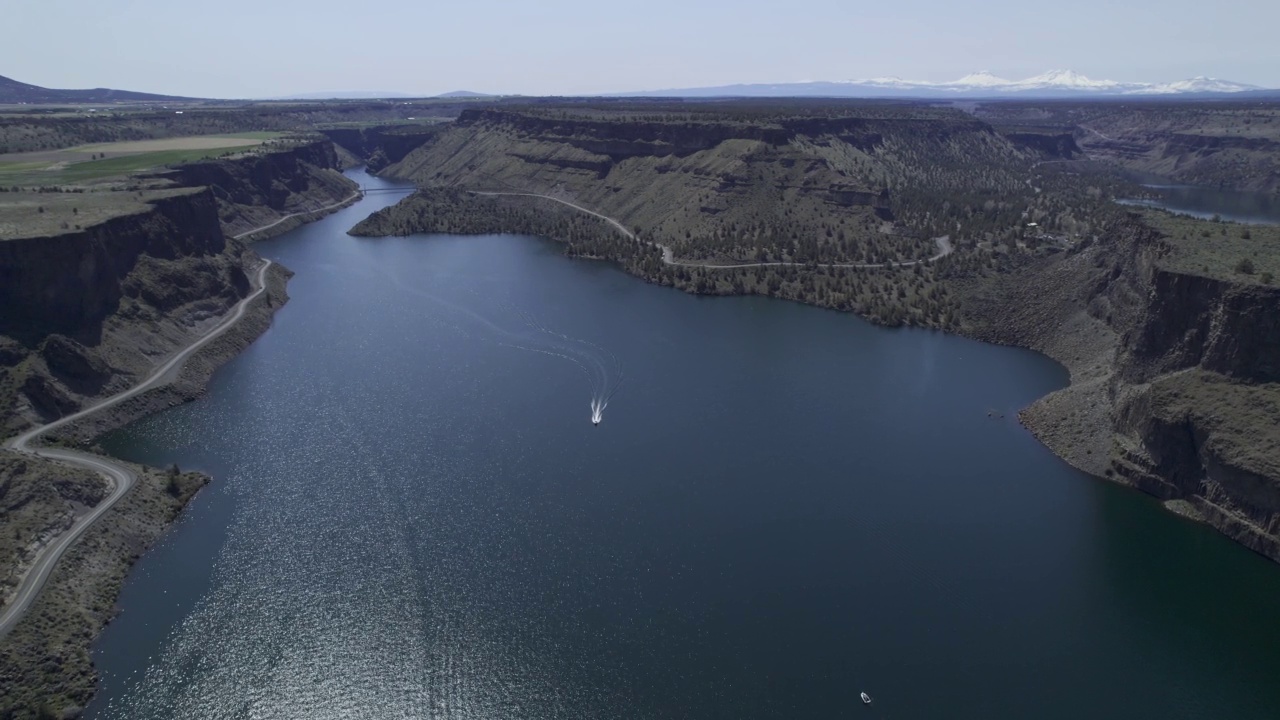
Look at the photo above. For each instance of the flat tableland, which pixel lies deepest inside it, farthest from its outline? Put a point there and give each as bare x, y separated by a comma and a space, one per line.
1224, 250
95, 162
39, 214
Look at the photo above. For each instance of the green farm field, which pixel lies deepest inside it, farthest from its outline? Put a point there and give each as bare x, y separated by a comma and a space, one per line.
107, 160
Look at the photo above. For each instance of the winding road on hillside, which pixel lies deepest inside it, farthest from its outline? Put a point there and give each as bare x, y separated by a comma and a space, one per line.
1108, 138
120, 476
669, 258
338, 204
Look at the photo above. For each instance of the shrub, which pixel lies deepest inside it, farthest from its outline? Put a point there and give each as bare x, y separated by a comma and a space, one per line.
1245, 267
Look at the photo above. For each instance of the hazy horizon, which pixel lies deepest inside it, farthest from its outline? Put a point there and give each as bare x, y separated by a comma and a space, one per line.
567, 47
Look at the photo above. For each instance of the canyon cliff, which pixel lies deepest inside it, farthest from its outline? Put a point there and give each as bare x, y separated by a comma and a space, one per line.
87, 312
1173, 373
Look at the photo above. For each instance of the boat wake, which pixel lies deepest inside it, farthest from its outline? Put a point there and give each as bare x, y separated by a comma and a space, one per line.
601, 367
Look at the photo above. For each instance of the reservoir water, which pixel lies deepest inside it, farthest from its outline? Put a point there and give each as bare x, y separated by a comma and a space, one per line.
413, 517
1243, 206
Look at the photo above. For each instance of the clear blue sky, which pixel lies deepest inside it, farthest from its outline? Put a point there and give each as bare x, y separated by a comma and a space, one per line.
260, 48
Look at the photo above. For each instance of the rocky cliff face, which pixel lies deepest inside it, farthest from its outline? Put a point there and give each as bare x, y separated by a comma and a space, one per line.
1201, 158
1232, 328
639, 137
381, 146
1174, 376
88, 312
730, 187
621, 140
256, 190
1049, 145
91, 311
1197, 405
70, 283
1228, 143
268, 179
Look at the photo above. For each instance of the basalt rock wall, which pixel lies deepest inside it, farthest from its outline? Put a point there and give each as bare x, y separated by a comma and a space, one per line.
1225, 327
70, 283
1175, 376
86, 313
381, 146
254, 190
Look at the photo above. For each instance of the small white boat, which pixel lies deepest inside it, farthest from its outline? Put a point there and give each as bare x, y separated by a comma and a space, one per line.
866, 699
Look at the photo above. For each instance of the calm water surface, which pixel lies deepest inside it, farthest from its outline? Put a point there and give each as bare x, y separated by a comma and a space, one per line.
1243, 206
412, 517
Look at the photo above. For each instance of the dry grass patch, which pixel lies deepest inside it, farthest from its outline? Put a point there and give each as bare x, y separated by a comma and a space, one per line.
38, 214
203, 142
1226, 250
137, 147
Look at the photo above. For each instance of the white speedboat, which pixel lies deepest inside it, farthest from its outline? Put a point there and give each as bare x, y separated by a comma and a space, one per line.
866, 699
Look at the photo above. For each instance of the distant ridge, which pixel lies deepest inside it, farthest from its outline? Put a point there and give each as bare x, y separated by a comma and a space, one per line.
1052, 84
13, 92
463, 94
351, 95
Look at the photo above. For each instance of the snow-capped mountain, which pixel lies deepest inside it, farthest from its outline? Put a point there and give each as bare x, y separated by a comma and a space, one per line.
1055, 83
981, 79
1063, 80
1199, 84
1052, 81
1059, 81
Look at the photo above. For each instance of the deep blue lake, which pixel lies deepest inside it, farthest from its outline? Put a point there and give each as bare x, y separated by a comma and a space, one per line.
413, 517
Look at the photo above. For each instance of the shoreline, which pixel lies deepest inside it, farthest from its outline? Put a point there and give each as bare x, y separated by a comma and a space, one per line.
82, 569
1074, 422
79, 595
302, 217
169, 384
119, 476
